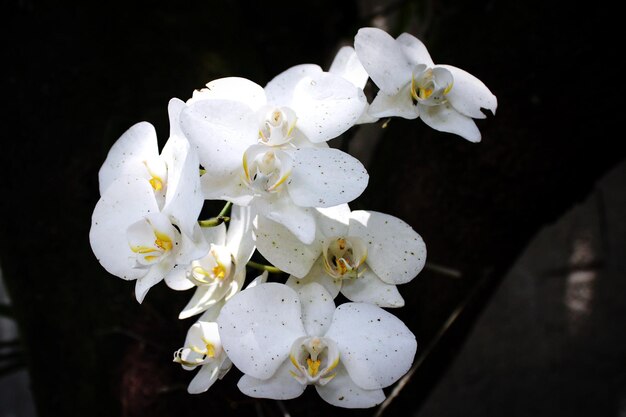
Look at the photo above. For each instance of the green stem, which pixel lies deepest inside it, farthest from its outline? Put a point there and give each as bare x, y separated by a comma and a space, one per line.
219, 219
261, 267
213, 221
225, 209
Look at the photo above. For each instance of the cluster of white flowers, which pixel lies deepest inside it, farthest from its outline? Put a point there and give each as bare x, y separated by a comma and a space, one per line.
263, 151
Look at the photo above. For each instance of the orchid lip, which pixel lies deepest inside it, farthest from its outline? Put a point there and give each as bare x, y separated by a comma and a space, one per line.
314, 359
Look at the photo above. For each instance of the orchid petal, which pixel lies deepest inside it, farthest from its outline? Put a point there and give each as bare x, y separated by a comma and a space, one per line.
155, 274
316, 274
240, 240
376, 347
192, 247
333, 221
341, 391
177, 279
383, 59
283, 249
327, 105
317, 308
468, 94
280, 89
258, 326
204, 379
298, 220
347, 65
396, 253
398, 105
203, 298
174, 109
280, 386
325, 177
126, 201
369, 288
446, 119
221, 131
211, 314
414, 50
230, 188
232, 88
183, 198
126, 156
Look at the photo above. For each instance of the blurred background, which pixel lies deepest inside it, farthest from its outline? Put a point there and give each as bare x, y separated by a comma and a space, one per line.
520, 311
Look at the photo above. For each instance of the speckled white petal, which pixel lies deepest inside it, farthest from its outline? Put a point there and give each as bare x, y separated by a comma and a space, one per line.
183, 198
468, 94
341, 391
126, 156
238, 280
192, 247
347, 65
283, 249
230, 188
174, 109
317, 308
155, 274
446, 119
325, 177
395, 252
215, 234
261, 279
203, 298
177, 280
126, 201
299, 221
281, 386
316, 274
279, 91
370, 289
383, 59
240, 240
258, 327
232, 88
333, 221
376, 348
220, 130
204, 379
398, 105
211, 314
327, 105
414, 50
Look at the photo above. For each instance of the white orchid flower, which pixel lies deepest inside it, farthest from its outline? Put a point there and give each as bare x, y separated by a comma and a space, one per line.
253, 157
446, 98
301, 104
203, 347
362, 254
283, 341
347, 65
146, 219
221, 273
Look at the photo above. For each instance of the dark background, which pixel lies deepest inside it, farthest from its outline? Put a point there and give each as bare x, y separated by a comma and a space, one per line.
79, 74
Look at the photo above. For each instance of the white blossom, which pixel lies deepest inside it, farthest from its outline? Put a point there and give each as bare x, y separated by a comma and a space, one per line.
273, 158
146, 219
362, 254
445, 97
221, 272
284, 341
